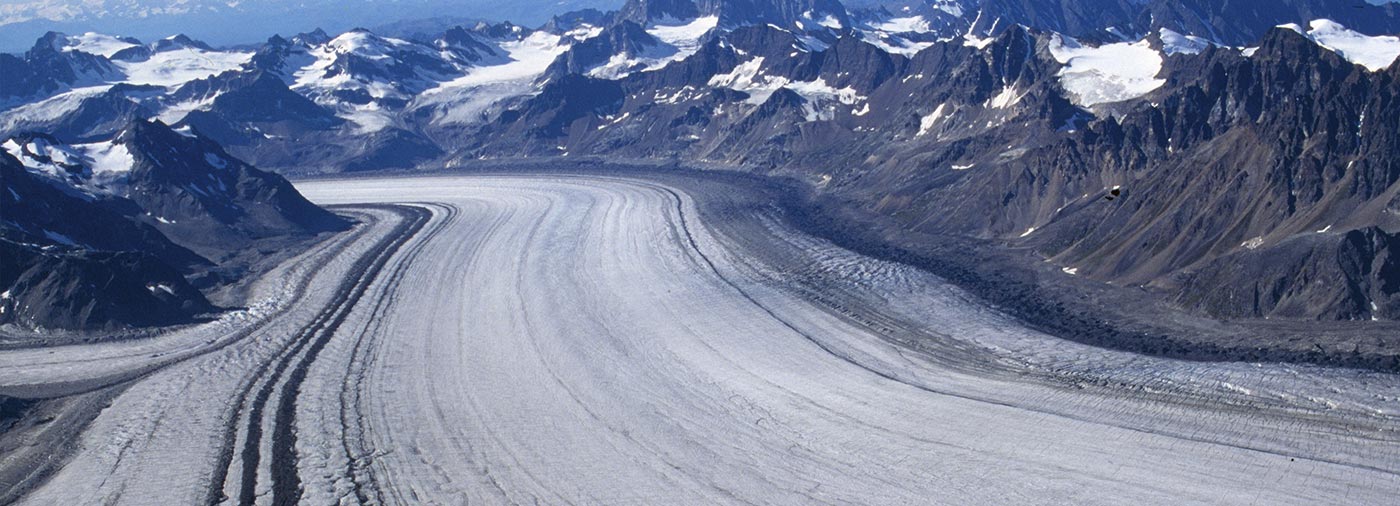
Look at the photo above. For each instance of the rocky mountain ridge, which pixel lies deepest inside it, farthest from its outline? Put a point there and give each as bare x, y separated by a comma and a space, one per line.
126, 231
1134, 143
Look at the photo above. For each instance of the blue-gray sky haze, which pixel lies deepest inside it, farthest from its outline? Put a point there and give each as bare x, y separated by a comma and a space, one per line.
226, 22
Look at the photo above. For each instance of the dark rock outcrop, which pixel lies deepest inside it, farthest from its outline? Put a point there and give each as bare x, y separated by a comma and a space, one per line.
105, 235
90, 290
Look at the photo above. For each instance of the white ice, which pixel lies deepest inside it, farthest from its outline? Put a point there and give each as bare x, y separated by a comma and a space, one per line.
98, 44
1373, 52
179, 66
1177, 43
594, 339
1107, 73
465, 99
915, 24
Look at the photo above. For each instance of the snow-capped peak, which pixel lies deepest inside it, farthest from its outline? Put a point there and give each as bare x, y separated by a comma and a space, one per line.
1373, 52
98, 44
365, 44
1177, 43
379, 73
678, 41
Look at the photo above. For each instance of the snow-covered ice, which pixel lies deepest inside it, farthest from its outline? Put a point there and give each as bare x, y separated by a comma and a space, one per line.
1107, 73
464, 99
1373, 52
179, 66
821, 98
748, 77
685, 36
1177, 43
677, 42
97, 43
915, 24
593, 339
50, 108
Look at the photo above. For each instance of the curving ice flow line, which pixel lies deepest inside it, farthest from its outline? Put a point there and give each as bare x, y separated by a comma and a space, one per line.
652, 338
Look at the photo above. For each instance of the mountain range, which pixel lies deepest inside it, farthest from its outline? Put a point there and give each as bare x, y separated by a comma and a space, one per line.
226, 22
1234, 158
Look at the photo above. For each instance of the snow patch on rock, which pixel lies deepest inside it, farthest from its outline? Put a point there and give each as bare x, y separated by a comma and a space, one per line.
895, 45
748, 77
821, 98
216, 160
927, 123
1007, 98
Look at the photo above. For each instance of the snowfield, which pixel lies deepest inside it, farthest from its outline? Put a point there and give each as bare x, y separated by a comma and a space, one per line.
96, 43
677, 42
178, 66
611, 340
466, 98
686, 37
1107, 73
1374, 53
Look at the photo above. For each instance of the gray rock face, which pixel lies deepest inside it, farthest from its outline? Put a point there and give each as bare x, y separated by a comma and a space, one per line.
106, 236
95, 117
216, 201
76, 264
37, 211
90, 290
1231, 155
1252, 154
1334, 276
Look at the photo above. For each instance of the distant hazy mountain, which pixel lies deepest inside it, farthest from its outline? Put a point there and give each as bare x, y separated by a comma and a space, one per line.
223, 22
